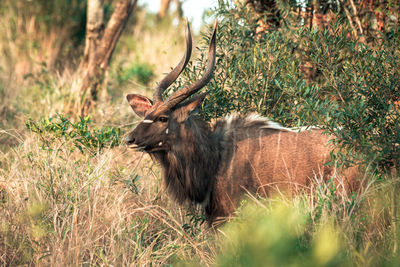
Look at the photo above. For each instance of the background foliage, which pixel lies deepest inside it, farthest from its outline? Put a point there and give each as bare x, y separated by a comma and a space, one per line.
300, 76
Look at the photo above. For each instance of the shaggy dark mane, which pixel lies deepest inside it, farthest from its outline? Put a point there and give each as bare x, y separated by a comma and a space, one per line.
189, 167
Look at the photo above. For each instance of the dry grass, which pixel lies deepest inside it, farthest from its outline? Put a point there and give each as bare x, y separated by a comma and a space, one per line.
62, 207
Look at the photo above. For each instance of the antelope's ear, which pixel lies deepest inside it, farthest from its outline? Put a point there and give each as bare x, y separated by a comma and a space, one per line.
192, 104
139, 104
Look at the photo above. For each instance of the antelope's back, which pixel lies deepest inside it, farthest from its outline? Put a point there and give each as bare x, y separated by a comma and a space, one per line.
261, 157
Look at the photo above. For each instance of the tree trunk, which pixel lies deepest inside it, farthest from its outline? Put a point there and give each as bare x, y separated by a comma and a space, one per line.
94, 30
164, 6
100, 45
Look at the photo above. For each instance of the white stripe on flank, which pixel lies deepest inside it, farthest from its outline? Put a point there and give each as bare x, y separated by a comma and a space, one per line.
147, 121
278, 148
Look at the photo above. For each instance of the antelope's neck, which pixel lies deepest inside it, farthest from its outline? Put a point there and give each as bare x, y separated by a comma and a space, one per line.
191, 165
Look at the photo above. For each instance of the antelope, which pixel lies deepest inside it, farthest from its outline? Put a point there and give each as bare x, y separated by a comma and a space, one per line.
214, 164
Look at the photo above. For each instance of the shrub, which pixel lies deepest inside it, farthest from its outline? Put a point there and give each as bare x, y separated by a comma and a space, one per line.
141, 72
353, 91
279, 235
82, 137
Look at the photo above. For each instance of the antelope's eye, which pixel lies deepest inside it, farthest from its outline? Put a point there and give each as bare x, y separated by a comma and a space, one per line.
163, 119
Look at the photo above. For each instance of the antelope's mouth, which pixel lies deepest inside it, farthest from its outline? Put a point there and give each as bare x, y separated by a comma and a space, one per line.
136, 147
147, 148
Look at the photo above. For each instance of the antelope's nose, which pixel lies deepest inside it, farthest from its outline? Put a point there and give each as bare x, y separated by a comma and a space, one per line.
129, 140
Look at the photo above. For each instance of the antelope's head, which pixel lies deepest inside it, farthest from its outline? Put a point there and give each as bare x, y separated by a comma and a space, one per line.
163, 121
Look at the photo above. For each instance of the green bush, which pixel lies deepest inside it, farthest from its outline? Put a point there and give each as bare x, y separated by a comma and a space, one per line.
83, 138
353, 92
141, 72
280, 236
